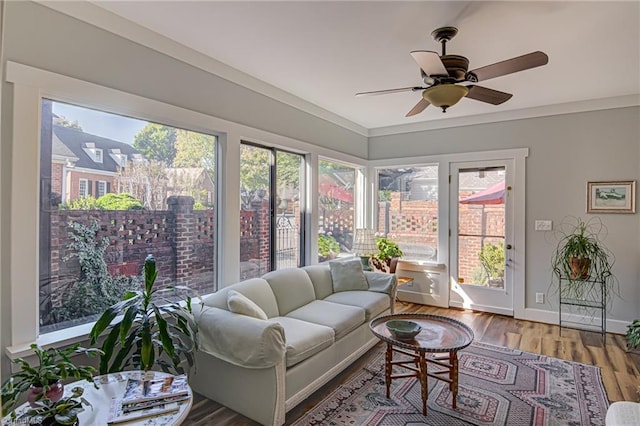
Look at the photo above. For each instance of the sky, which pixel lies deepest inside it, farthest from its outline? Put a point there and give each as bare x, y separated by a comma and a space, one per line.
112, 126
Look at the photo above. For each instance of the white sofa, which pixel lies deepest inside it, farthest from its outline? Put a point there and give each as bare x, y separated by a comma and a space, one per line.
314, 323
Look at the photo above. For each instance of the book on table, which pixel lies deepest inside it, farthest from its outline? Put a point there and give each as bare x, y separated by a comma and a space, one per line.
142, 391
117, 414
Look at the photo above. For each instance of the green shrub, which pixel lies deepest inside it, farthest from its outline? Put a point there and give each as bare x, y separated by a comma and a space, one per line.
492, 259
633, 335
122, 201
388, 249
86, 203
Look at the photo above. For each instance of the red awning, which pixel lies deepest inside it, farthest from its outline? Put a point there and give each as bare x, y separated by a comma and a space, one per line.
333, 190
492, 195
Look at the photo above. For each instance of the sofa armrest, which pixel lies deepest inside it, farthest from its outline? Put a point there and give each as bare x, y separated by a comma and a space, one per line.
239, 339
381, 282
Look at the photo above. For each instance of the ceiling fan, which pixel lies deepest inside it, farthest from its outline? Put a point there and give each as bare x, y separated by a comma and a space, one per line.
447, 80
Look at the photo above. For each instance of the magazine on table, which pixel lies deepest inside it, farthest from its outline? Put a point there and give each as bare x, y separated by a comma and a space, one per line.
138, 391
152, 403
118, 415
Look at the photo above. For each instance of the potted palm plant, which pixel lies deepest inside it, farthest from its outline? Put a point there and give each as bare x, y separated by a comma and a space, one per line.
151, 329
581, 256
44, 379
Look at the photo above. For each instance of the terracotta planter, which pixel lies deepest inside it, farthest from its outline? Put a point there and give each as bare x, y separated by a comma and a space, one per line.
579, 268
54, 394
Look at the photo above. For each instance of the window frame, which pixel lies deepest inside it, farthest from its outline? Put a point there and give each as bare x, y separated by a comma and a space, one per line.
30, 86
86, 188
100, 183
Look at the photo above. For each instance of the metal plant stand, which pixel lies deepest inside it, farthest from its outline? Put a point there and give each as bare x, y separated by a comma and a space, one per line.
593, 298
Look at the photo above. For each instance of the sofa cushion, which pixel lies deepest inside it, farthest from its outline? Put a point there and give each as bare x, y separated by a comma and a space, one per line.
292, 288
239, 304
256, 289
321, 279
347, 275
341, 318
303, 339
372, 303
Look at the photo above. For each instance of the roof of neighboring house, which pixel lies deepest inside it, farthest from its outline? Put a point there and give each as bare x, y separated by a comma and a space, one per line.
68, 140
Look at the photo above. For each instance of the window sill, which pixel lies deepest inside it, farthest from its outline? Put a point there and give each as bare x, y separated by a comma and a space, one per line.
60, 338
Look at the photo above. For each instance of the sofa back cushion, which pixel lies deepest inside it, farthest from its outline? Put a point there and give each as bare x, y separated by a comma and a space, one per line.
292, 288
256, 289
347, 275
321, 279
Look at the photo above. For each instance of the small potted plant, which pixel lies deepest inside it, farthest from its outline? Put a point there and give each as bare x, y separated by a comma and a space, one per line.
62, 412
44, 380
152, 329
387, 258
581, 256
328, 247
633, 335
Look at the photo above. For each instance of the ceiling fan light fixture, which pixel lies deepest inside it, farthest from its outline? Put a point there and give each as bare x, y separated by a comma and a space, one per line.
444, 95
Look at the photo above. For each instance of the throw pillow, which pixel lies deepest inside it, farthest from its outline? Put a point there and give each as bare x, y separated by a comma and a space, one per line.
240, 304
347, 275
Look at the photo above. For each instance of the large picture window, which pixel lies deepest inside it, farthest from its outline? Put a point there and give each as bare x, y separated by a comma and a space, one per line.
336, 205
407, 210
114, 189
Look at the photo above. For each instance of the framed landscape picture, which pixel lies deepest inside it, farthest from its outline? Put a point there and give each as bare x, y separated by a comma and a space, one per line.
611, 197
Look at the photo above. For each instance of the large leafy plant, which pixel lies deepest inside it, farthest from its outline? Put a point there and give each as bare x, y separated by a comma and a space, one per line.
633, 335
152, 329
53, 365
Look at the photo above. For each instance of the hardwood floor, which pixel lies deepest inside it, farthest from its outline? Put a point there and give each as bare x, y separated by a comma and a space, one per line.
620, 369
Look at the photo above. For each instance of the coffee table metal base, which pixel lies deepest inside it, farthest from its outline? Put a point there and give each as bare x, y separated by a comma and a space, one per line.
417, 364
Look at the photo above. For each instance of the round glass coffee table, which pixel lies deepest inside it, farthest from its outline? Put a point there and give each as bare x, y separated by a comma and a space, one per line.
441, 337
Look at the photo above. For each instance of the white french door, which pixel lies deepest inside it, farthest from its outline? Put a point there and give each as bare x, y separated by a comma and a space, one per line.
481, 237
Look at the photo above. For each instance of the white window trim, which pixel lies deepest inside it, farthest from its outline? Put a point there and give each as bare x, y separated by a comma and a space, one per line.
86, 187
31, 85
98, 155
100, 183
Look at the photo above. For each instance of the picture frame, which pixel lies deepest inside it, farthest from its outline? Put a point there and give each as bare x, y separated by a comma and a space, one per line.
611, 196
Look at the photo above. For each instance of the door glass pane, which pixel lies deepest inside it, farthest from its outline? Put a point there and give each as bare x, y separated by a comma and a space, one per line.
481, 227
114, 189
255, 217
288, 215
407, 210
336, 186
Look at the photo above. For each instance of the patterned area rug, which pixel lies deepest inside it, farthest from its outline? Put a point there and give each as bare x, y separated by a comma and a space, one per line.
498, 386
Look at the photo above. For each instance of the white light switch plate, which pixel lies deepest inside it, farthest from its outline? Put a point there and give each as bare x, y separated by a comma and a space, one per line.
544, 225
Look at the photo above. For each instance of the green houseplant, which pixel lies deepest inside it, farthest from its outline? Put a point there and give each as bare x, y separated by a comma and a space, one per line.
633, 335
388, 251
328, 247
44, 379
581, 259
62, 412
153, 330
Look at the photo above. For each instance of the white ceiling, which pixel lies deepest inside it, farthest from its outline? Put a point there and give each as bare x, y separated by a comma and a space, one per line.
325, 52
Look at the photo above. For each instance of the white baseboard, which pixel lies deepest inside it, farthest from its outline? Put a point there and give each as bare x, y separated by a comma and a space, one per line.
483, 308
551, 317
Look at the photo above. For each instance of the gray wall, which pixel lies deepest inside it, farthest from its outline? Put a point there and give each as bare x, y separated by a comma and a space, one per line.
565, 151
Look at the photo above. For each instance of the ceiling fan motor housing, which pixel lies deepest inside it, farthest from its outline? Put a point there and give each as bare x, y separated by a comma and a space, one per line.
456, 65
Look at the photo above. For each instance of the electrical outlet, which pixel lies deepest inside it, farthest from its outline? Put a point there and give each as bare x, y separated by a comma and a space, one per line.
539, 297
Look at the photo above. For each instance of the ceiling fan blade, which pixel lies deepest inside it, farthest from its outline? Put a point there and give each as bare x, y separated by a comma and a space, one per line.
490, 96
429, 62
384, 92
521, 63
418, 108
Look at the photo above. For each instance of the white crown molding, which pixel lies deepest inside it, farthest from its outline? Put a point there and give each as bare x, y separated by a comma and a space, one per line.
95, 15
542, 111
